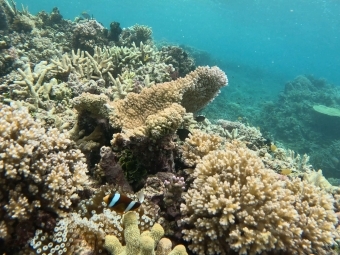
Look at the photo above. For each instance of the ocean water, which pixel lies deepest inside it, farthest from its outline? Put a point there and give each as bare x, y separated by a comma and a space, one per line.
282, 37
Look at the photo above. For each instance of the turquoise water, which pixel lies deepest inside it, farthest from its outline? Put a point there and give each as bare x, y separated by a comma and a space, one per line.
285, 38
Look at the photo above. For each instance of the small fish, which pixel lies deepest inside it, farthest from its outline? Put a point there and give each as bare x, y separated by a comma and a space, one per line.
200, 118
286, 171
273, 147
121, 203
183, 133
86, 15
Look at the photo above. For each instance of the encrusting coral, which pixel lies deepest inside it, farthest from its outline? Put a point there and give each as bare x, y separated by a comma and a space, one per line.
39, 170
141, 244
235, 204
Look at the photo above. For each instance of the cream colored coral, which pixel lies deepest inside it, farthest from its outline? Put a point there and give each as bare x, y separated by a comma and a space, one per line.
83, 64
197, 145
145, 113
205, 86
236, 204
164, 246
34, 81
44, 163
3, 230
164, 122
133, 110
317, 178
136, 243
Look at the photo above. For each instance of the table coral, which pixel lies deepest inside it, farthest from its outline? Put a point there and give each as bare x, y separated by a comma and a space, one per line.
204, 84
137, 114
39, 170
235, 204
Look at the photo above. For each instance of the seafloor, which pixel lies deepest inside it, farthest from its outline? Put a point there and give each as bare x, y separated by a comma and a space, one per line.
88, 111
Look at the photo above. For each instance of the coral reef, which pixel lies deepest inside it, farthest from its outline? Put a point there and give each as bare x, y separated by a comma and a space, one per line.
136, 34
87, 34
143, 244
179, 59
155, 111
235, 204
296, 119
193, 92
198, 145
40, 170
85, 229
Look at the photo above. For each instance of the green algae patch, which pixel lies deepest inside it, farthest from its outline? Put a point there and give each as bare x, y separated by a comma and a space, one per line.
327, 110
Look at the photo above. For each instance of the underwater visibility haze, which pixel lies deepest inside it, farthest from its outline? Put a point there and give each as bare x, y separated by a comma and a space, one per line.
209, 126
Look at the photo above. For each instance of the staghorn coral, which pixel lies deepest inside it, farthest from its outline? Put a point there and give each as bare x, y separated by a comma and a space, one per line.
33, 81
235, 204
143, 60
40, 170
286, 159
83, 64
140, 244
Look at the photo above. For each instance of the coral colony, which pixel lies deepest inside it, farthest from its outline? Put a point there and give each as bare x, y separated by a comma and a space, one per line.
89, 121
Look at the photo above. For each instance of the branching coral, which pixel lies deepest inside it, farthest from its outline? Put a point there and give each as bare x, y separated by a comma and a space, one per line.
34, 82
39, 169
198, 145
83, 64
236, 204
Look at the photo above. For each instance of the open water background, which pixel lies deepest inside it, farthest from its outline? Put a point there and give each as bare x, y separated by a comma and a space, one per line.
282, 37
